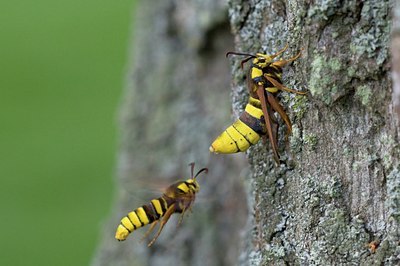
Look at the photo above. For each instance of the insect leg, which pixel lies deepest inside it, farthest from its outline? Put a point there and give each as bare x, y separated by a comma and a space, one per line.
280, 51
283, 62
165, 219
283, 88
149, 231
269, 58
181, 217
188, 208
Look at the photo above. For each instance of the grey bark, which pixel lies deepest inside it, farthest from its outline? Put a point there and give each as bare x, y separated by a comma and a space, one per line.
177, 99
340, 189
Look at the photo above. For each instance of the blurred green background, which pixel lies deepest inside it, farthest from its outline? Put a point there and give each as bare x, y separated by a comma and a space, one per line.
61, 74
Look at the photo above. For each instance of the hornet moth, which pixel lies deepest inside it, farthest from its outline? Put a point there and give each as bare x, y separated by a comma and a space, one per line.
244, 132
264, 83
177, 198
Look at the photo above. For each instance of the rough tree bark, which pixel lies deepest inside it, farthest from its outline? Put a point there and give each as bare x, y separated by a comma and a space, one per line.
176, 101
340, 189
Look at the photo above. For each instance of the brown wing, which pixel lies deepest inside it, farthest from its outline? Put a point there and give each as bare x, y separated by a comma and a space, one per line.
268, 122
278, 108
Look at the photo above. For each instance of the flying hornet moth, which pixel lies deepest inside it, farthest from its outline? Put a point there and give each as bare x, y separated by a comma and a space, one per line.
177, 198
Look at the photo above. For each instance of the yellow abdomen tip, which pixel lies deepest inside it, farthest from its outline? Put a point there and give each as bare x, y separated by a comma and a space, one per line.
121, 233
212, 149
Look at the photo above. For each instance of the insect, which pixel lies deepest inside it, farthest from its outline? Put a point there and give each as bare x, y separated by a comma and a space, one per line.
244, 132
177, 198
264, 82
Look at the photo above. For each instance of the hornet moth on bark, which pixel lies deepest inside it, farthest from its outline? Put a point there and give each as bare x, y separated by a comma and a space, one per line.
244, 132
177, 198
264, 83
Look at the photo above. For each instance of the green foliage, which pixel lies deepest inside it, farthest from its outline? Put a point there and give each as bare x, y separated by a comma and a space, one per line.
61, 77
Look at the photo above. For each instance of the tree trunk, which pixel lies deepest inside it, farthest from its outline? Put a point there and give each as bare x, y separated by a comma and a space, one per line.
176, 101
338, 199
341, 190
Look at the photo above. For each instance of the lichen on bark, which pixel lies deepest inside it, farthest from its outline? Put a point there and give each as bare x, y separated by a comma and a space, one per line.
332, 198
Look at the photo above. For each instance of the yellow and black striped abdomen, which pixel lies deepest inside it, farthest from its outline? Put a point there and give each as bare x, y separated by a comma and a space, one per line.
141, 217
244, 132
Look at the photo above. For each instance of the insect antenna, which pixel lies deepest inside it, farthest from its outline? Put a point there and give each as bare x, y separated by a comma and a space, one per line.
237, 53
200, 171
250, 56
191, 170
